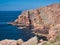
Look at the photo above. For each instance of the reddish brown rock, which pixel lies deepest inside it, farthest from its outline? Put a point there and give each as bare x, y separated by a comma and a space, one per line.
49, 15
32, 41
41, 20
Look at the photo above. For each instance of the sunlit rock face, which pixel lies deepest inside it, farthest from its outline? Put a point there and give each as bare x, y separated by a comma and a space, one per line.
32, 41
41, 19
30, 17
23, 19
47, 16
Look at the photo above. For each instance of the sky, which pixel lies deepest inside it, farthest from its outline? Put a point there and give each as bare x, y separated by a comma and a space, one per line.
17, 5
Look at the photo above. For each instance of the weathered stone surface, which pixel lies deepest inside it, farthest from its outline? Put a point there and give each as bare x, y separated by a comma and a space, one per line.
32, 41
8, 42
49, 15
44, 21
54, 32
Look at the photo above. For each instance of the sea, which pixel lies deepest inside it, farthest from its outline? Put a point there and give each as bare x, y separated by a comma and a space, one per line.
8, 31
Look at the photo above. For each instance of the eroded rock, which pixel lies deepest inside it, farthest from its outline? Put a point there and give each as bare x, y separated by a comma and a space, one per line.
47, 16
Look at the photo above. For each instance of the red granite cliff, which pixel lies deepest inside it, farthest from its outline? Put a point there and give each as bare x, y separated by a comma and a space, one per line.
47, 16
41, 20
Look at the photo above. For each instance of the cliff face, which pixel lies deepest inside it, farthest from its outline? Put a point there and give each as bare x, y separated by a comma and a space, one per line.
41, 19
45, 16
30, 17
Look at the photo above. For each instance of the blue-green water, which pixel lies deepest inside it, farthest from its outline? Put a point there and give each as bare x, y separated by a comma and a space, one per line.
11, 32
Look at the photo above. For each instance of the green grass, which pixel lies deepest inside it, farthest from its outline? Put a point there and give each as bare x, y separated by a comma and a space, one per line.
45, 43
33, 44
59, 44
58, 38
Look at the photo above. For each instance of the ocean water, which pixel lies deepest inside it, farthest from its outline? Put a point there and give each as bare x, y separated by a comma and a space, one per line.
8, 31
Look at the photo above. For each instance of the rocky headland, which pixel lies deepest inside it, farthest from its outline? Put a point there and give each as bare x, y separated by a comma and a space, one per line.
43, 21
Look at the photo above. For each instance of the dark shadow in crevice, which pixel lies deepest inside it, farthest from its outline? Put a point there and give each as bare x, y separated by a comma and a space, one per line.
42, 37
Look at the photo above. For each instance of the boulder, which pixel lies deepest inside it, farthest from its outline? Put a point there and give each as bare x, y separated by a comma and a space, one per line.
19, 41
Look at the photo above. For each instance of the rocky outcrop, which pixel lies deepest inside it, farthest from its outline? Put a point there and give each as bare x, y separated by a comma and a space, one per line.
32, 41
38, 18
41, 21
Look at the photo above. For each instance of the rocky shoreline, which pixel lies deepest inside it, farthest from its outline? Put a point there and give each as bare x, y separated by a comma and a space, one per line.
32, 41
43, 21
